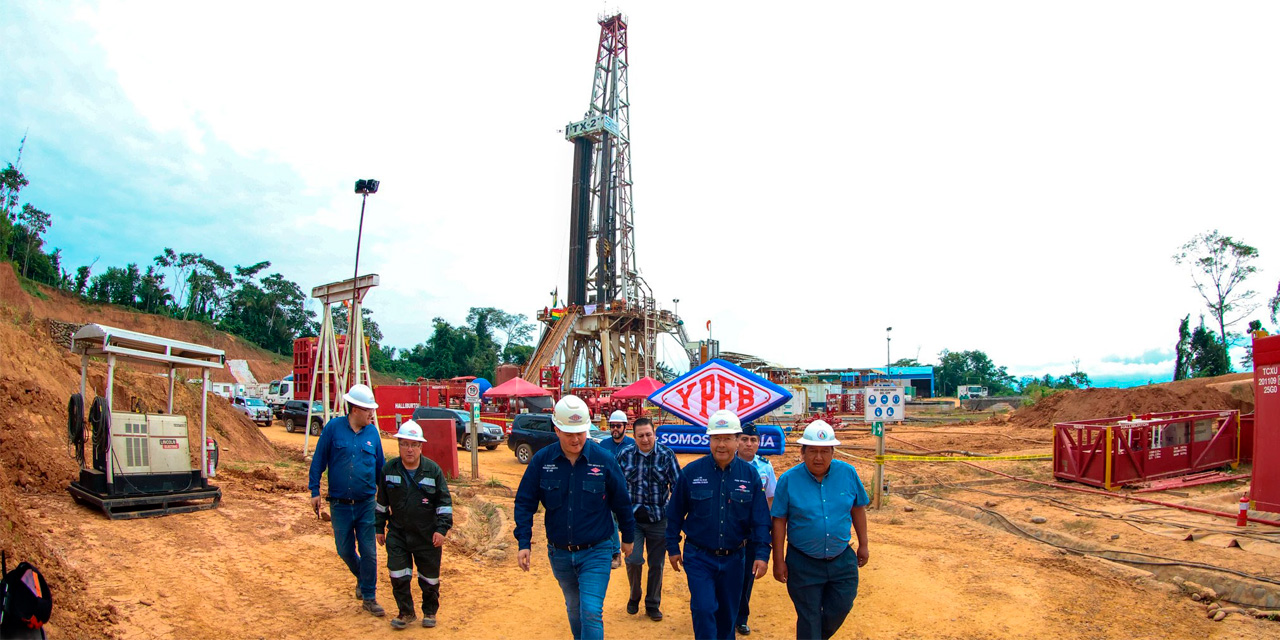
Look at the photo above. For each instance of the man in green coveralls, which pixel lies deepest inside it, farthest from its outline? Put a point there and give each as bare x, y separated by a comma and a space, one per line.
414, 498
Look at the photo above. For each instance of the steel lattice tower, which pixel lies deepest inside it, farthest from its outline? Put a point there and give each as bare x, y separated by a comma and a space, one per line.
608, 333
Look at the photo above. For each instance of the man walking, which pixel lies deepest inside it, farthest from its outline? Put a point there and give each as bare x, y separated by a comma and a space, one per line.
748, 445
580, 485
617, 441
413, 496
815, 505
651, 470
350, 447
719, 504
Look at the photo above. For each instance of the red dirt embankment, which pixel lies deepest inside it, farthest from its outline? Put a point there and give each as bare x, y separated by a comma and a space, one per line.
1233, 391
37, 377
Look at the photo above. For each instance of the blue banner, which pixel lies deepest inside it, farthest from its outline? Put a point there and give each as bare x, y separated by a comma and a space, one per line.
687, 438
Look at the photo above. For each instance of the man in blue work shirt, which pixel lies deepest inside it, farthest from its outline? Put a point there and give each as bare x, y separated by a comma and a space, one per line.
748, 445
579, 484
814, 507
350, 447
719, 504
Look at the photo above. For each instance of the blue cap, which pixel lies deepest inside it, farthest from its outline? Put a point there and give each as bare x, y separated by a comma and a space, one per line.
749, 429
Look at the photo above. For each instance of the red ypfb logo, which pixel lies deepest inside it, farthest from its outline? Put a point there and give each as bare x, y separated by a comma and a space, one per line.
575, 418
595, 469
716, 387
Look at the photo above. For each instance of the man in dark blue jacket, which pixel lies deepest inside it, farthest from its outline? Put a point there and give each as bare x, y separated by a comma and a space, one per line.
719, 504
583, 490
350, 447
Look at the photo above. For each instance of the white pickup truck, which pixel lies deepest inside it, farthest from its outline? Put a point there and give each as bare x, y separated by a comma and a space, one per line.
255, 409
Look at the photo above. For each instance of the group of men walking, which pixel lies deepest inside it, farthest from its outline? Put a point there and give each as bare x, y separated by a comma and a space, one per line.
623, 500
728, 508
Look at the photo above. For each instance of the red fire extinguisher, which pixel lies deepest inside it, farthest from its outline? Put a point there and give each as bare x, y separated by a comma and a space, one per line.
211, 457
1243, 518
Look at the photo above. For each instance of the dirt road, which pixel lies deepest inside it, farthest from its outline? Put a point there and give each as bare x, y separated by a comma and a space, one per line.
262, 566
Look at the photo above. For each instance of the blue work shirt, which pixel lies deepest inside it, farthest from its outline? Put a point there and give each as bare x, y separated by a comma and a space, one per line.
578, 497
615, 447
353, 460
719, 508
819, 514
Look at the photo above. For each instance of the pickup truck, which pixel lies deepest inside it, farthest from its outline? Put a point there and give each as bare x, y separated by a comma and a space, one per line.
255, 409
490, 435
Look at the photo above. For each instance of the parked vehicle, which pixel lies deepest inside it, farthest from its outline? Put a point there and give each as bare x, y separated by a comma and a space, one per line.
533, 431
280, 392
294, 414
490, 435
255, 409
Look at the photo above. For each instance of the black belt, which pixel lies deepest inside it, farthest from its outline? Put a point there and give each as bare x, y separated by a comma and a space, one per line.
720, 552
346, 500
791, 548
577, 547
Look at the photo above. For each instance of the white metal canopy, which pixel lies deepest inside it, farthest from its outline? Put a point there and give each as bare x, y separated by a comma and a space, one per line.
101, 340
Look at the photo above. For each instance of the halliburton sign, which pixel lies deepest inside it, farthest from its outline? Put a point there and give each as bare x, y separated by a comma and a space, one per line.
719, 385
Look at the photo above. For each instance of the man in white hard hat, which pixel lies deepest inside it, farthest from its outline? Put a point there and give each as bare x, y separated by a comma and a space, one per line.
614, 444
413, 498
579, 485
719, 504
814, 507
350, 447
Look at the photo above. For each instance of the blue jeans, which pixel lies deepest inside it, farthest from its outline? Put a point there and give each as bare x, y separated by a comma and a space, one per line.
353, 529
584, 578
715, 586
748, 582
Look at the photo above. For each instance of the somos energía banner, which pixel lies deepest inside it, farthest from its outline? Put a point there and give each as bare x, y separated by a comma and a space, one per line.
686, 438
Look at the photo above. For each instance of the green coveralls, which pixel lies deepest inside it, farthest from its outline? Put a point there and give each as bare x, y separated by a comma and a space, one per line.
417, 505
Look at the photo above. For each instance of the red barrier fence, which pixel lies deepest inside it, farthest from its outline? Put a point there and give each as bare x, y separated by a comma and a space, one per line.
1110, 452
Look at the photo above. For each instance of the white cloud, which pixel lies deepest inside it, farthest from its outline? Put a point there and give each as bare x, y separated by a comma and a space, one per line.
1001, 176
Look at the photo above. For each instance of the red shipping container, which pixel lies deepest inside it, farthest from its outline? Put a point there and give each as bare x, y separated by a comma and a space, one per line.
1265, 491
442, 444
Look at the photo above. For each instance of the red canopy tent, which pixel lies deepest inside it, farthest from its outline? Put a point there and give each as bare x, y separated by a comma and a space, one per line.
516, 388
642, 388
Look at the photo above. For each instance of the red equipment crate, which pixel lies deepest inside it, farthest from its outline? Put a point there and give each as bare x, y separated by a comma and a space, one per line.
305, 354
1265, 491
1109, 452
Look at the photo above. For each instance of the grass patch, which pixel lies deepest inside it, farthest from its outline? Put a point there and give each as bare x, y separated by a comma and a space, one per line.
32, 288
895, 520
494, 482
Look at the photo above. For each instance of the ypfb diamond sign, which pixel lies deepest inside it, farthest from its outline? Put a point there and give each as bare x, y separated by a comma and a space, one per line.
718, 385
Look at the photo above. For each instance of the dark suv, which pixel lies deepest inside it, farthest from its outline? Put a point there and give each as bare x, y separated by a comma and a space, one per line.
533, 431
490, 434
294, 414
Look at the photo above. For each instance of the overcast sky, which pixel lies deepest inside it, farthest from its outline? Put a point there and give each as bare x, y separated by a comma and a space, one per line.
1004, 176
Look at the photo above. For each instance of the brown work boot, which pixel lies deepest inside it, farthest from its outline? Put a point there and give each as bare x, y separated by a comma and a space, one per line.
428, 621
401, 621
373, 607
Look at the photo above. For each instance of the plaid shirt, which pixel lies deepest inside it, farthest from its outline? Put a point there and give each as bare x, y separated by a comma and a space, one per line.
651, 477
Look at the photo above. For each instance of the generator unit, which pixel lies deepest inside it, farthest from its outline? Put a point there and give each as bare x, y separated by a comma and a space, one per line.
139, 464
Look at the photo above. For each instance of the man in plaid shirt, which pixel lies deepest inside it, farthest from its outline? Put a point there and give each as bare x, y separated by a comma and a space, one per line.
651, 470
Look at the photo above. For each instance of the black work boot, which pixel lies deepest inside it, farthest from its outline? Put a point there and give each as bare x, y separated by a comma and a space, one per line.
373, 607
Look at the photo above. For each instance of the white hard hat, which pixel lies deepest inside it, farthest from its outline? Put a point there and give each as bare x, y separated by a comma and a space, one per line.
618, 416
571, 415
410, 431
819, 434
361, 396
724, 422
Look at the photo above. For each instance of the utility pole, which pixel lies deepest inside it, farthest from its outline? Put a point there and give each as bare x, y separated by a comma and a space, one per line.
877, 429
